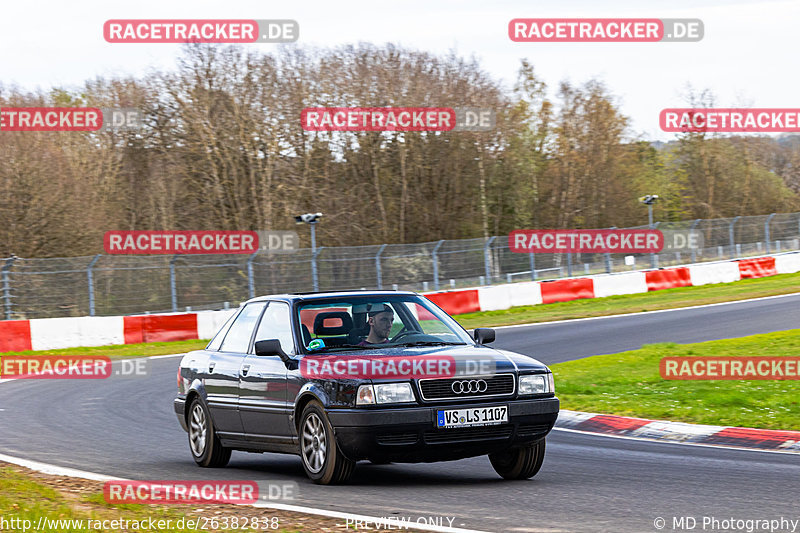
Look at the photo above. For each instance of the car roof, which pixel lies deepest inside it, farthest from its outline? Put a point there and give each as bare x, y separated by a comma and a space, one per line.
292, 297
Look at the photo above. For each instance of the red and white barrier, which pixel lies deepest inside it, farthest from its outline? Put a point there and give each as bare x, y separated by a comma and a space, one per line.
787, 264
704, 274
625, 283
15, 335
667, 278
209, 322
759, 267
56, 333
564, 290
456, 302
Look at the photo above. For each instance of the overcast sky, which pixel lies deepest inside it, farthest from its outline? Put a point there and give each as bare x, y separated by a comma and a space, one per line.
748, 56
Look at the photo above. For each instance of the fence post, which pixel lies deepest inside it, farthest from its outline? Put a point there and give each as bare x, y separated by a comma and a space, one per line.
315, 275
654, 256
569, 265
608, 257
487, 266
691, 229
436, 265
533, 266
766, 230
172, 289
731, 236
90, 279
7, 286
251, 281
378, 272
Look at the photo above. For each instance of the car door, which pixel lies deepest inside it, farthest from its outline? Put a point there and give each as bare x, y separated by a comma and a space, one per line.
263, 403
222, 374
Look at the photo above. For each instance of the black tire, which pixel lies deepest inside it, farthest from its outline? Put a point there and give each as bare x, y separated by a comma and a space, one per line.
519, 463
322, 460
206, 448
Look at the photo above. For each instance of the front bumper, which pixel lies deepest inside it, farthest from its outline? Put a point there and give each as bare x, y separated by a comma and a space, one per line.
410, 434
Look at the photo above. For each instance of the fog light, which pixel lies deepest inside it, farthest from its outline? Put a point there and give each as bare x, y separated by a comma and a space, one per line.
365, 396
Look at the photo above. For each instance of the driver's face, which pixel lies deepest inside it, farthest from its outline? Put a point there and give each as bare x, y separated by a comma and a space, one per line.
382, 323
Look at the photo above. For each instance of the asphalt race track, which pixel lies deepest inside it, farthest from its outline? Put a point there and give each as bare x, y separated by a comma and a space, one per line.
126, 428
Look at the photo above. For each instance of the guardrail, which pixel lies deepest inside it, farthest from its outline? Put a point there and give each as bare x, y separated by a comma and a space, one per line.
117, 285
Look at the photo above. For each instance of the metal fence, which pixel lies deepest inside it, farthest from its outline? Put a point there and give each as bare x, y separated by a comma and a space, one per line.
115, 285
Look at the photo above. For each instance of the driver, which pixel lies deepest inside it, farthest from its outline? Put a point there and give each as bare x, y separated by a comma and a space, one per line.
380, 319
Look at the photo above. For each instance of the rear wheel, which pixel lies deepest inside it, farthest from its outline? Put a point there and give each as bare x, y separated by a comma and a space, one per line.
204, 443
323, 462
519, 463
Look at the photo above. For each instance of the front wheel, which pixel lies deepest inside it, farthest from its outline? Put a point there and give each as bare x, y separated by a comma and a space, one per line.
519, 463
204, 443
323, 462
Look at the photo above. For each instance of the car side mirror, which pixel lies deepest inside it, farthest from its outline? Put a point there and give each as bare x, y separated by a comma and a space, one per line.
484, 335
273, 347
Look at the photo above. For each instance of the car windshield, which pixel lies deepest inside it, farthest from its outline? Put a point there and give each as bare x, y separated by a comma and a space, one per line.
375, 322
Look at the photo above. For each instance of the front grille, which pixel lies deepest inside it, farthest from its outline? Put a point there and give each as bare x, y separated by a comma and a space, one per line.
442, 389
397, 439
468, 434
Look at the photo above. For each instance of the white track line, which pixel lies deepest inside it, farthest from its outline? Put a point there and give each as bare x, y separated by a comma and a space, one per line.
399, 524
56, 470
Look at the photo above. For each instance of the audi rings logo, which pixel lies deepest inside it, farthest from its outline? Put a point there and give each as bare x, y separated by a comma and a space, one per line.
469, 386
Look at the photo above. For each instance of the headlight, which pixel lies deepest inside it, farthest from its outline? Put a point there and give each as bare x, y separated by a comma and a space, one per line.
536, 384
384, 393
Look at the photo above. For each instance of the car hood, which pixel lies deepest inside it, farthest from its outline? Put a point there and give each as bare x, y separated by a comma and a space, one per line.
472, 358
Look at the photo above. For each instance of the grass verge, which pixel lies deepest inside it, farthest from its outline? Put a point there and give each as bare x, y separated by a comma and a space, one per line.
629, 384
632, 303
611, 305
123, 351
70, 505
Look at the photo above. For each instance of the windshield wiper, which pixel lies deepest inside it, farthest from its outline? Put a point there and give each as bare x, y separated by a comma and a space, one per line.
430, 343
345, 346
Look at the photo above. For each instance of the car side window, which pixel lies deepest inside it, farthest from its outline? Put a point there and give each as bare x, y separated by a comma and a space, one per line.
238, 337
216, 342
277, 324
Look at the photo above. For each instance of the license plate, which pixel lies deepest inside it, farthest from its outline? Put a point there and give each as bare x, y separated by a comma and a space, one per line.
478, 416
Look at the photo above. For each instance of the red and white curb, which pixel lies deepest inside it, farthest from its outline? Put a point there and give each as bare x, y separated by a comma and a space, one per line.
679, 432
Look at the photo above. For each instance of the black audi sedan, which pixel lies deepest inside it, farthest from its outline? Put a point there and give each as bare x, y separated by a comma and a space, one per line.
383, 376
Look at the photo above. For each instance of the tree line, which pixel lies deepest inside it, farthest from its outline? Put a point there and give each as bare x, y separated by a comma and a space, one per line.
222, 148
